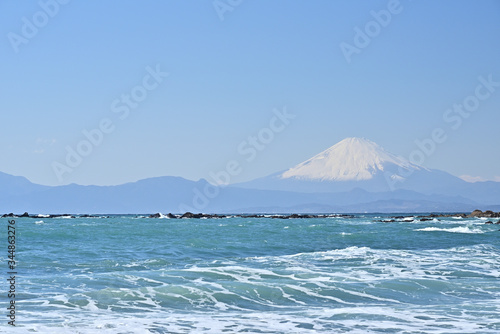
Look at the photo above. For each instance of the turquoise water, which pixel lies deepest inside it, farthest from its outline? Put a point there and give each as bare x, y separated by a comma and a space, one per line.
256, 275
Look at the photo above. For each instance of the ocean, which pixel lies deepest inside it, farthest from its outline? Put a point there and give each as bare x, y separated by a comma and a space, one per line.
132, 274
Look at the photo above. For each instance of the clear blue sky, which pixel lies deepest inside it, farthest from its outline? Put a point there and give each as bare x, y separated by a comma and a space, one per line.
226, 77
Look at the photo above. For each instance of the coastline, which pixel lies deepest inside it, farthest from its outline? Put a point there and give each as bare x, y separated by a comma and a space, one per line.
189, 215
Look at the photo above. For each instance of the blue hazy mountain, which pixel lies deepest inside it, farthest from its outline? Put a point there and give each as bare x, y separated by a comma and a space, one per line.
359, 163
356, 175
174, 194
11, 186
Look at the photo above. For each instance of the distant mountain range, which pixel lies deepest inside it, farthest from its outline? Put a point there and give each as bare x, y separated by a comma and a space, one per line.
355, 175
359, 163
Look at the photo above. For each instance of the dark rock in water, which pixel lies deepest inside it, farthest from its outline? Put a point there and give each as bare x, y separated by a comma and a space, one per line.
192, 215
10, 215
25, 215
476, 213
159, 215
487, 213
492, 214
187, 215
489, 222
498, 222
93, 216
426, 219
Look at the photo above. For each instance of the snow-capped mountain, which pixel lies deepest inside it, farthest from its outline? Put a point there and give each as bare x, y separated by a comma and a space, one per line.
352, 159
355, 175
356, 163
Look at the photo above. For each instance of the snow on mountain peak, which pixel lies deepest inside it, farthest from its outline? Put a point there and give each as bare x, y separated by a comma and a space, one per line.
352, 159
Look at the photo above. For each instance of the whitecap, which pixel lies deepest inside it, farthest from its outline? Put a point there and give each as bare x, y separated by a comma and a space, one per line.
459, 229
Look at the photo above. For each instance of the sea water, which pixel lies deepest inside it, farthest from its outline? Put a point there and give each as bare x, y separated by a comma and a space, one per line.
132, 274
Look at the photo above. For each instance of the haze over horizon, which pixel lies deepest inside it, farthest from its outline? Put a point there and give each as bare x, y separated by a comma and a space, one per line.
183, 89
352, 159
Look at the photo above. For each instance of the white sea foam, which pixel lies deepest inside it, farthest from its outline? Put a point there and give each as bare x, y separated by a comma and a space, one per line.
349, 290
346, 319
459, 229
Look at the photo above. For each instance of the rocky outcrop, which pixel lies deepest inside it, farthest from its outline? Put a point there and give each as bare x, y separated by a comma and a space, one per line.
159, 215
190, 215
27, 215
485, 214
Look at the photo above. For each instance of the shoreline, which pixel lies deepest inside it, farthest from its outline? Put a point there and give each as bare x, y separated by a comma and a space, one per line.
189, 215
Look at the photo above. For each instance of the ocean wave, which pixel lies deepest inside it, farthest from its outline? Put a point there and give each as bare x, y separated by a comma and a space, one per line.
365, 264
155, 281
353, 289
353, 320
459, 229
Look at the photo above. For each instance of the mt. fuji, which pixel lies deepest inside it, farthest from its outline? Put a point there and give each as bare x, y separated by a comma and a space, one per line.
358, 163
352, 159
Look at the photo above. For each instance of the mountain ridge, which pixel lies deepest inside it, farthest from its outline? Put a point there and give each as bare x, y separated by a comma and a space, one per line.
358, 163
364, 183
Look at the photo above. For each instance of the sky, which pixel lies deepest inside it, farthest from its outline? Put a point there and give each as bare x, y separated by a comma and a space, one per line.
111, 92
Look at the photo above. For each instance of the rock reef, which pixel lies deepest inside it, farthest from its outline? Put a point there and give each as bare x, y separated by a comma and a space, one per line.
190, 215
